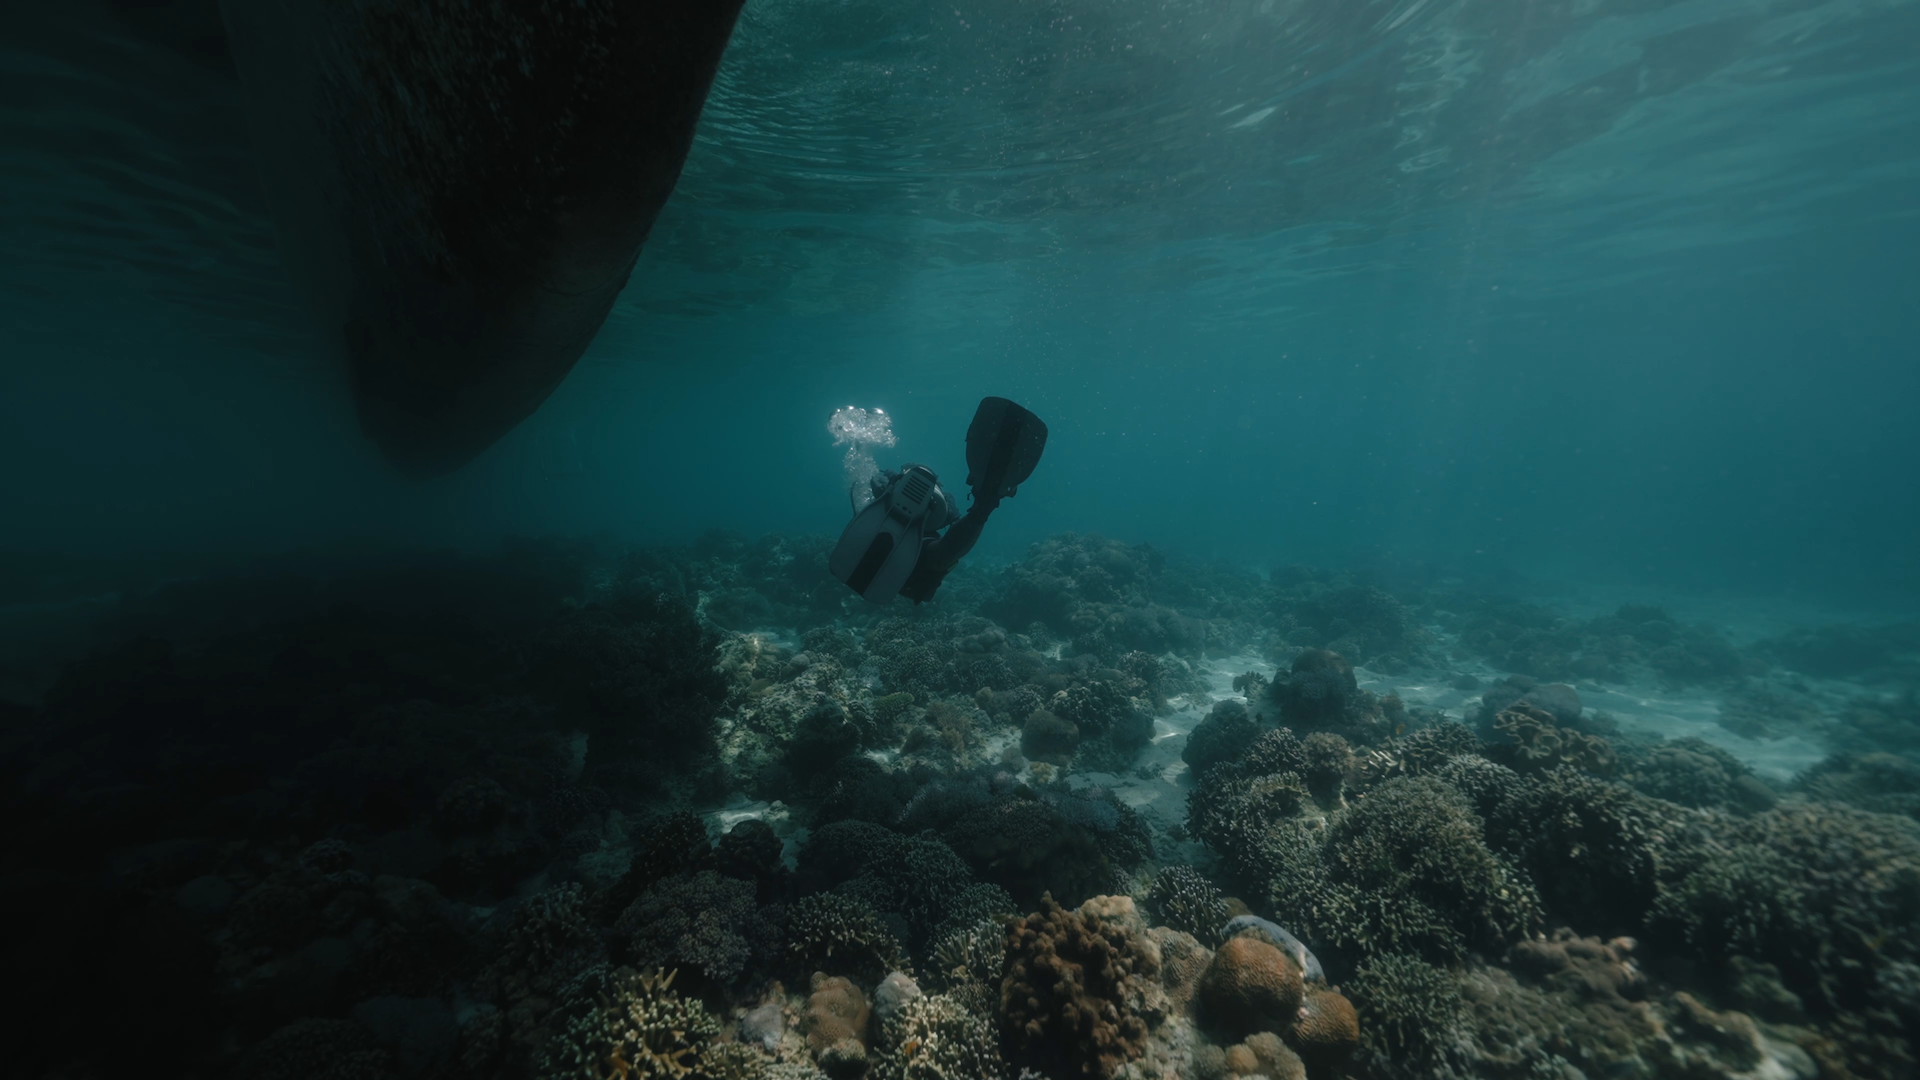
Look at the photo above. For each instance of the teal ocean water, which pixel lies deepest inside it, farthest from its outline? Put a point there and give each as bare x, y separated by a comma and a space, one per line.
1476, 533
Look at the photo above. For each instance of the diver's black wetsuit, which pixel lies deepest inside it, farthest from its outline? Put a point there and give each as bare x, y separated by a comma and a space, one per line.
942, 554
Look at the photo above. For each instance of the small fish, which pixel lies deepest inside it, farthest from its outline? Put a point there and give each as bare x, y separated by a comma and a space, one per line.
1287, 943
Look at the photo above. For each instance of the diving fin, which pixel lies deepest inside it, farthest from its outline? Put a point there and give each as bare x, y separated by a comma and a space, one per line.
881, 545
1003, 445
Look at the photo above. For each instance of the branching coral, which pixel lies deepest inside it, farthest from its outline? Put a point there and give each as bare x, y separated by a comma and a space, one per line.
1881, 782
702, 921
1409, 1010
1051, 842
968, 962
1185, 900
1075, 987
939, 1038
1827, 893
839, 934
640, 1030
1696, 773
317, 1049
1408, 870
546, 941
1599, 852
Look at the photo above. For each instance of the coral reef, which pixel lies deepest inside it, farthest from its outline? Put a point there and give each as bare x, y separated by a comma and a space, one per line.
1409, 1011
489, 781
1054, 840
1325, 1030
1828, 894
1080, 986
640, 1028
637, 673
1280, 938
1225, 732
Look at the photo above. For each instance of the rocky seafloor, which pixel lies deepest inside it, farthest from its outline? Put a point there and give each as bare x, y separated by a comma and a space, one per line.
579, 810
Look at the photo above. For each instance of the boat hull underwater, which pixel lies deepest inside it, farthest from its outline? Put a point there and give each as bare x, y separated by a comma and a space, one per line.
462, 190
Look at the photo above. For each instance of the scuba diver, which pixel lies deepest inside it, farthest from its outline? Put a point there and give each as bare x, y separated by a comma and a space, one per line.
894, 545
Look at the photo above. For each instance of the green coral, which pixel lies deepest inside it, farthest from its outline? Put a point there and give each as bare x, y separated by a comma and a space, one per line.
702, 921
1600, 851
317, 1049
842, 935
1185, 900
974, 904
640, 1030
888, 707
1829, 894
1883, 783
1409, 1009
1696, 773
1408, 870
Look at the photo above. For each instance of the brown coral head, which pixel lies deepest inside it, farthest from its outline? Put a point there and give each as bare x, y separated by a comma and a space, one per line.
1250, 986
836, 1010
1325, 1027
1275, 1059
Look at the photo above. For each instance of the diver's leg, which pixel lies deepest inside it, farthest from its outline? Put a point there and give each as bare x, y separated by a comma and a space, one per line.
959, 540
941, 555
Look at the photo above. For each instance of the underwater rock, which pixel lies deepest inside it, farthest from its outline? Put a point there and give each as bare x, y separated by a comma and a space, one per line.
893, 994
764, 1026
461, 218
